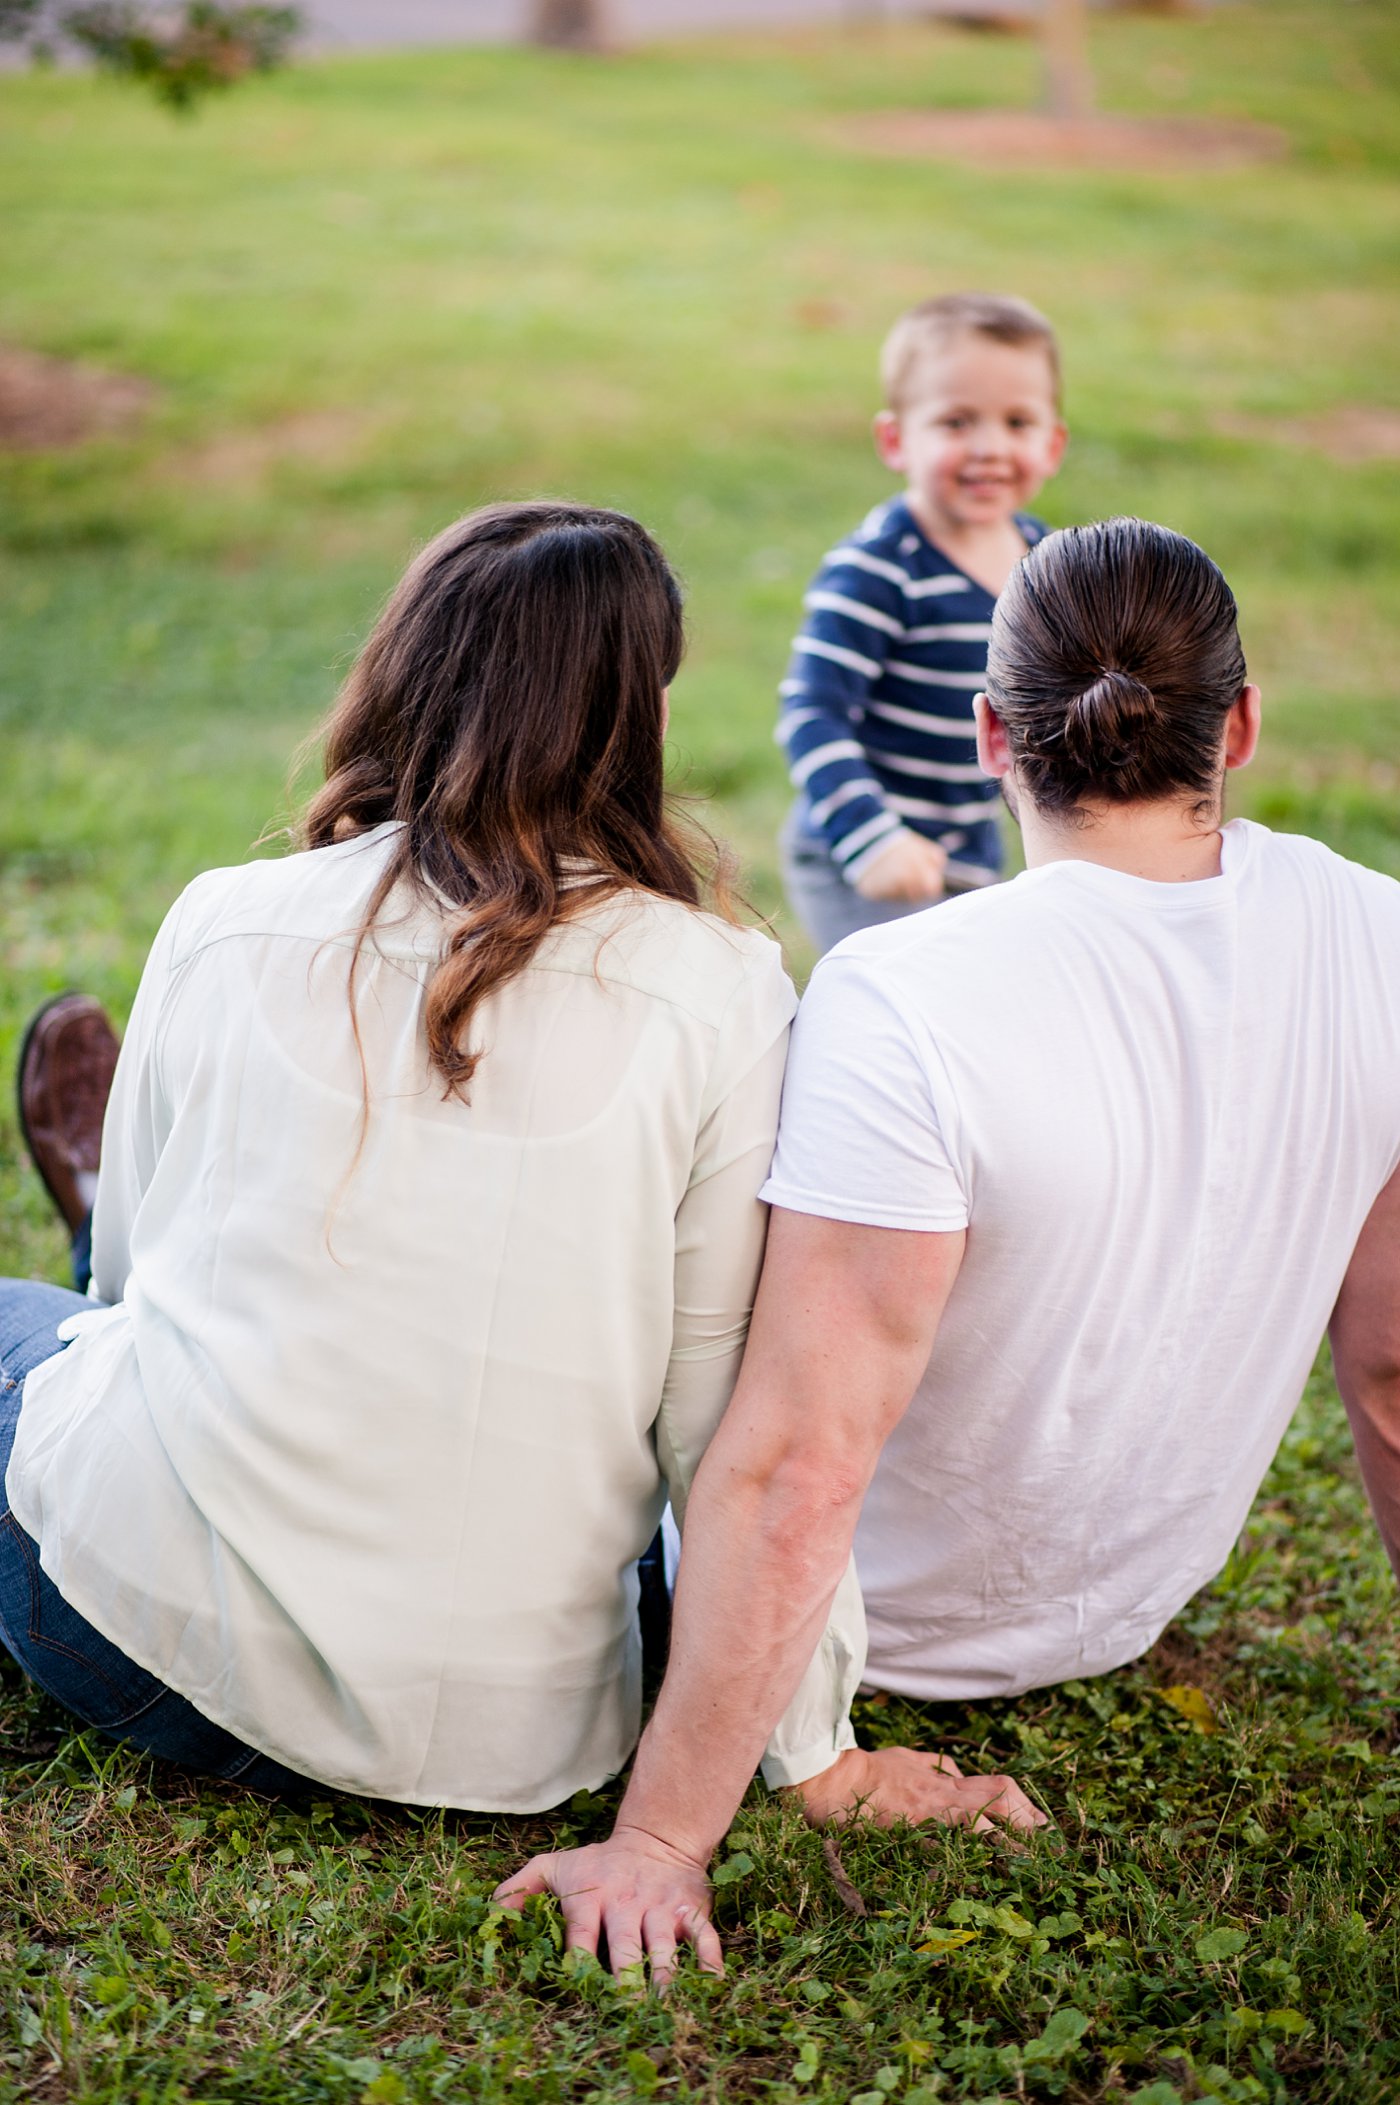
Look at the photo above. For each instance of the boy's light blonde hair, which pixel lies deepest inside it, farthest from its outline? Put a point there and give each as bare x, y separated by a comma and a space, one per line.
933, 324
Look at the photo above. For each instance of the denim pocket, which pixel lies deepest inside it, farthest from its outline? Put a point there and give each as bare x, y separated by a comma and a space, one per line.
70, 1660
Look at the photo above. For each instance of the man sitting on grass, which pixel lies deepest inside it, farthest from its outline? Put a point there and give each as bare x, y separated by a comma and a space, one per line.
1072, 1175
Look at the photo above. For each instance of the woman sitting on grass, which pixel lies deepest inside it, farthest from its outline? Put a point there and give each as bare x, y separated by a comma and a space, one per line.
427, 1224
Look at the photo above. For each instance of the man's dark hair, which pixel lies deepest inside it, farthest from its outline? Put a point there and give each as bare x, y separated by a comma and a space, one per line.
1114, 661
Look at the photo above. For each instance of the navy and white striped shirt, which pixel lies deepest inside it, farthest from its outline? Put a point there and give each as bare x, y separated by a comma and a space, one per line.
876, 714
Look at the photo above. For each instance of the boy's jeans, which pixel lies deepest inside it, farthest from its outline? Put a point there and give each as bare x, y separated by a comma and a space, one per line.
828, 908
55, 1646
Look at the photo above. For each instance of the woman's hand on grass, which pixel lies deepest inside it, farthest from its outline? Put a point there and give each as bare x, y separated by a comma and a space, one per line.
635, 1893
901, 1783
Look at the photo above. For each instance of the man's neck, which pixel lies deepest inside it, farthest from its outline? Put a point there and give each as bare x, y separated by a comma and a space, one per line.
1165, 842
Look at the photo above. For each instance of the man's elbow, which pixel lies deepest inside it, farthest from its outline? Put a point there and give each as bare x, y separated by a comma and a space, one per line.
811, 1494
1367, 1365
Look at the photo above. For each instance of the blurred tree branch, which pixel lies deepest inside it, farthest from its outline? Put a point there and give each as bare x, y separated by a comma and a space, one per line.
179, 52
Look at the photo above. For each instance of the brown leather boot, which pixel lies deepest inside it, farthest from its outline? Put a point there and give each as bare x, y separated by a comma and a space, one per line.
65, 1077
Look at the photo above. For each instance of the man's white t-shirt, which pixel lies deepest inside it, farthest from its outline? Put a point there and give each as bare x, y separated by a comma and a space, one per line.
1162, 1113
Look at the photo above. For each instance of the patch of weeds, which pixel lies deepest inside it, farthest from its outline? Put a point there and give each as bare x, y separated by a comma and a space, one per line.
1212, 1916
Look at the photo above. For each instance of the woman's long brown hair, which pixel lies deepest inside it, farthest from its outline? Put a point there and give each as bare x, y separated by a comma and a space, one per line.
508, 709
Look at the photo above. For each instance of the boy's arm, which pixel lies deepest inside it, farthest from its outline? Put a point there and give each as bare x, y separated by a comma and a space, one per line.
853, 617
1365, 1332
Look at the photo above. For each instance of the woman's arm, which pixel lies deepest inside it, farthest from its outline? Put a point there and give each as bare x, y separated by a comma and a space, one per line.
721, 1224
137, 1122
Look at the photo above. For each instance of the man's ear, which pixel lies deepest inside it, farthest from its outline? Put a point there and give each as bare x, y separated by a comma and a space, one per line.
889, 440
1242, 728
993, 746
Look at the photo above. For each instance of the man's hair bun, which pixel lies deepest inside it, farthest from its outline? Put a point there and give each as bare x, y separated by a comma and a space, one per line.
1105, 721
1114, 661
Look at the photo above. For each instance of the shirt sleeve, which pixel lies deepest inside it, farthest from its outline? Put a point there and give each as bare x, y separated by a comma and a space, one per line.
852, 616
721, 1223
137, 1122
861, 1138
816, 1726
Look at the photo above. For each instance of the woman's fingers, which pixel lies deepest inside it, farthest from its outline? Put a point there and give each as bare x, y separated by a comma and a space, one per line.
962, 1812
909, 1783
1001, 1798
977, 1801
530, 1878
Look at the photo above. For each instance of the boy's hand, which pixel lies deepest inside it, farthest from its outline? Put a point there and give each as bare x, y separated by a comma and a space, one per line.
900, 1783
907, 867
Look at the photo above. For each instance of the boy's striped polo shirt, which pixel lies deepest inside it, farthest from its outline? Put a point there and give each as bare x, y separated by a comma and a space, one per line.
876, 710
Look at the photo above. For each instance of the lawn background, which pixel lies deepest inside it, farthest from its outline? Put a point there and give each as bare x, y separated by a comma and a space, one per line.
369, 294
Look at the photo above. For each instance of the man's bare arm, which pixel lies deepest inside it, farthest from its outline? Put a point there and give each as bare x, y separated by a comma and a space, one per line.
842, 1330
1365, 1333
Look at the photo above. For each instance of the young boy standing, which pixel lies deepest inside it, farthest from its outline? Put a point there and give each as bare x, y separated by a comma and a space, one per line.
893, 810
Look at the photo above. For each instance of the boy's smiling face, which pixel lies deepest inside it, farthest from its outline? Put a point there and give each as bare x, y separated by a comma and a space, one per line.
978, 435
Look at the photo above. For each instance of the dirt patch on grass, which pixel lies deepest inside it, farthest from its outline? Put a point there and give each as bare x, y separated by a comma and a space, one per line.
246, 458
47, 403
1031, 139
1352, 434
1178, 1661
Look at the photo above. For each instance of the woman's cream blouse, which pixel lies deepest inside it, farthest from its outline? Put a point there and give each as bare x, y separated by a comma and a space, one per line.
394, 1387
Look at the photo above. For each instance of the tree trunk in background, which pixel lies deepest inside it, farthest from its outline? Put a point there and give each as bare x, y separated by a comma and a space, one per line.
1069, 81
575, 25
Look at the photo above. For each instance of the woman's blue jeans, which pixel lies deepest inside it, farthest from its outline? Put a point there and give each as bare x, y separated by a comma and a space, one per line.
55, 1646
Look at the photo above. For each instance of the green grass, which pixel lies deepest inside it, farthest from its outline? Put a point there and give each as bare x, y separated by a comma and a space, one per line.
1215, 1916
371, 294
